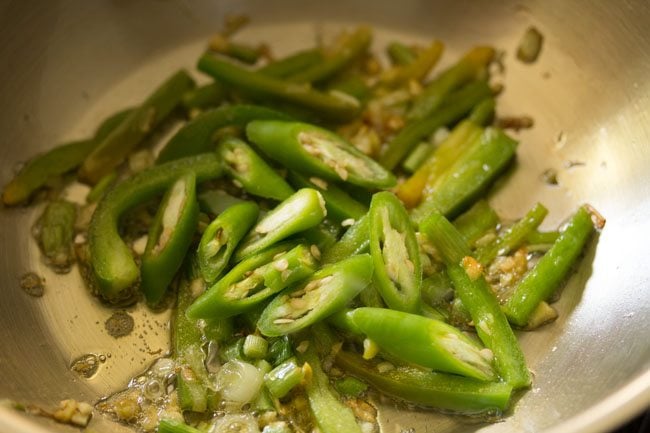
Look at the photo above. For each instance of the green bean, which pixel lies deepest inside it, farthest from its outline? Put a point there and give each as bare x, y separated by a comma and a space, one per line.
139, 124
236, 50
400, 54
206, 96
418, 156
262, 87
292, 64
417, 69
55, 234
539, 238
513, 237
540, 283
284, 378
483, 112
113, 266
476, 221
457, 105
352, 84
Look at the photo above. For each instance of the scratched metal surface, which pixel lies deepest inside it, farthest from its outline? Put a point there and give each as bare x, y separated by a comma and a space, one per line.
67, 64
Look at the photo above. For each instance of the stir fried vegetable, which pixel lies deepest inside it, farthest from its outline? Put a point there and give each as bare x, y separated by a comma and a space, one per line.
353, 196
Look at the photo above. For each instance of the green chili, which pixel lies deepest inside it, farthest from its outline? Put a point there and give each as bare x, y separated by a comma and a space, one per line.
321, 295
356, 240
169, 238
423, 341
425, 388
197, 135
222, 236
540, 283
252, 172
131, 131
104, 184
395, 253
262, 87
253, 280
301, 211
113, 266
311, 150
215, 201
60, 160
55, 233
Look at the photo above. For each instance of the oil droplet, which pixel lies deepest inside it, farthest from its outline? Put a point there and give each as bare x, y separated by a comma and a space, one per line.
86, 365
120, 324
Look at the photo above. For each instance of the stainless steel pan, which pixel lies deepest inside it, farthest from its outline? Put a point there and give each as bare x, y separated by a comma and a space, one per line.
67, 64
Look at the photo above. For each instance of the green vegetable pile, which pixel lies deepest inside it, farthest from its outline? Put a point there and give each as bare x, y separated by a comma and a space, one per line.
321, 222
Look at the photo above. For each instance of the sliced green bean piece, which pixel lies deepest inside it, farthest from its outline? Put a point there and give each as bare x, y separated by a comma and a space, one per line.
55, 234
395, 253
540, 283
418, 156
340, 206
416, 70
470, 175
239, 51
483, 112
60, 160
293, 63
222, 236
253, 280
429, 342
169, 238
311, 150
321, 295
112, 263
207, 96
476, 221
512, 237
356, 240
261, 87
251, 171
400, 54
301, 211
131, 131
350, 387
284, 378
454, 77
197, 135
489, 321
456, 106
330, 414
438, 390
348, 48
352, 84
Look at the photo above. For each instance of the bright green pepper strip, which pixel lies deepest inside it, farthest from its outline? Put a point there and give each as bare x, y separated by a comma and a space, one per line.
60, 160
292, 64
513, 237
400, 54
206, 96
301, 211
330, 414
438, 390
254, 280
470, 175
540, 283
174, 426
356, 240
138, 125
340, 206
256, 177
316, 151
169, 239
426, 342
196, 136
222, 236
491, 324
476, 221
56, 232
324, 293
262, 87
346, 50
111, 259
395, 253
283, 378
458, 104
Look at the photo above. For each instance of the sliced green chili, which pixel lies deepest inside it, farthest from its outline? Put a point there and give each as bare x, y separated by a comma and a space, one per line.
261, 87
340, 206
438, 390
131, 131
222, 236
60, 160
423, 341
253, 280
251, 171
55, 234
356, 240
197, 135
540, 283
324, 293
170, 236
311, 150
301, 211
112, 263
395, 253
